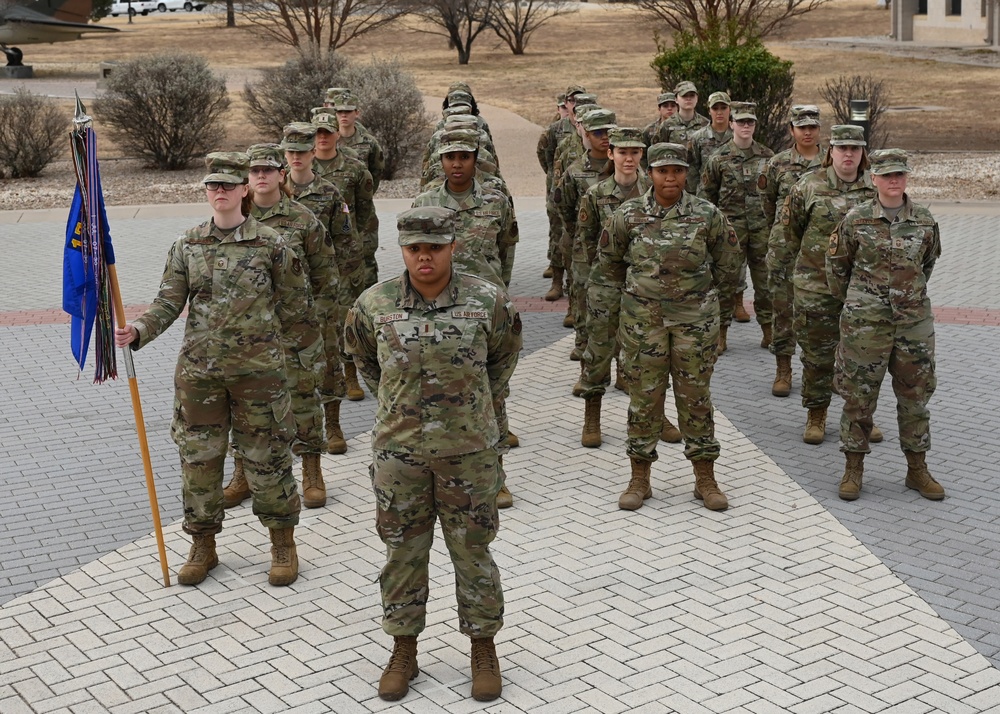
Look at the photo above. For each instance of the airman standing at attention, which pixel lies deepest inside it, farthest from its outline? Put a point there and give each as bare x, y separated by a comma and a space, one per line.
666, 260
438, 348
704, 142
666, 106
357, 187
729, 180
678, 128
782, 172
880, 259
355, 136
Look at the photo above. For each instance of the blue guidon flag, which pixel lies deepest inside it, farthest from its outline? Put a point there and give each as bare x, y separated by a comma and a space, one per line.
87, 254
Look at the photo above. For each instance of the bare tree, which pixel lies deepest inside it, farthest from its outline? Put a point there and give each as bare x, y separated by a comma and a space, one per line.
514, 21
839, 93
319, 26
460, 21
729, 22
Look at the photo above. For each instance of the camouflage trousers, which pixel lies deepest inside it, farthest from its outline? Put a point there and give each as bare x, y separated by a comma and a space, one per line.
411, 493
754, 246
369, 241
256, 408
305, 371
655, 350
555, 254
782, 291
578, 304
865, 352
332, 387
816, 321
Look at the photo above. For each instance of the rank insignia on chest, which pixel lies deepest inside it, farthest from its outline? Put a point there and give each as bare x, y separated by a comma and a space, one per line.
221, 263
426, 329
391, 317
470, 314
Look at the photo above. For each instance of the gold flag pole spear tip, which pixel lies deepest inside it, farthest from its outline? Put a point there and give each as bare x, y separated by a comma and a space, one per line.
82, 121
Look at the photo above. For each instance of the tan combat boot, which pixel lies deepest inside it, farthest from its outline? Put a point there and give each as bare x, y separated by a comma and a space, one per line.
556, 291
919, 478
354, 391
850, 484
238, 489
782, 386
402, 667
638, 489
335, 442
486, 682
876, 437
284, 559
705, 487
619, 376
313, 488
815, 430
568, 321
547, 273
722, 339
201, 559
591, 437
765, 341
505, 499
670, 433
578, 388
740, 313
575, 355
512, 441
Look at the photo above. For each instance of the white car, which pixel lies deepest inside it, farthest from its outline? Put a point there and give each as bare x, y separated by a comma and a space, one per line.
172, 5
136, 7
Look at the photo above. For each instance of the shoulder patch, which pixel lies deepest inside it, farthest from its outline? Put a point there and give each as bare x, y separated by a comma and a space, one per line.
605, 238
762, 182
516, 325
834, 243
296, 266
391, 317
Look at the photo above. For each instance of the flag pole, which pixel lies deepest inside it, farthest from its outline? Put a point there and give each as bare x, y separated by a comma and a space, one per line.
81, 120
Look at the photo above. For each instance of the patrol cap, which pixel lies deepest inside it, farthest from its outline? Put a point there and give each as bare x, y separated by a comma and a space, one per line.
457, 109
625, 137
599, 119
719, 98
805, 115
266, 155
460, 87
743, 110
580, 110
298, 136
326, 120
461, 119
664, 154
889, 161
847, 135
584, 98
683, 88
666, 97
332, 92
459, 98
227, 167
459, 140
426, 224
573, 90
560, 100
344, 102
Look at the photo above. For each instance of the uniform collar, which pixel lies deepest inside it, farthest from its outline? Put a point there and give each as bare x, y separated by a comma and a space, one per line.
282, 208
410, 299
904, 214
247, 230
681, 208
474, 200
864, 180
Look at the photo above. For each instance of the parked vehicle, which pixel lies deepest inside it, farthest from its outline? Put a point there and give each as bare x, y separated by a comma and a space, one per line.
136, 7
172, 5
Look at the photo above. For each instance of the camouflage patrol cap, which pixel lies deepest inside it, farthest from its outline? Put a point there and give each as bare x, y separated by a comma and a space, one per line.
326, 120
599, 119
461, 120
457, 109
683, 88
719, 98
227, 167
847, 135
889, 161
624, 137
426, 224
584, 98
574, 89
459, 140
332, 92
459, 98
582, 109
744, 110
266, 155
460, 87
344, 102
299, 136
805, 115
665, 98
664, 154
560, 100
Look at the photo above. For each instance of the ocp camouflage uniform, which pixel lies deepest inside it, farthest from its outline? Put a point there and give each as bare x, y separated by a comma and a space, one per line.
485, 234
676, 130
440, 371
667, 271
879, 268
812, 210
369, 153
729, 180
701, 145
246, 292
546, 152
432, 157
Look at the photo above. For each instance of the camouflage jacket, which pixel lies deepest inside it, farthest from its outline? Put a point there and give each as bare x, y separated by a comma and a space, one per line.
355, 184
677, 131
327, 204
729, 180
579, 176
880, 269
701, 144
368, 150
431, 155
244, 291
440, 369
549, 141
484, 231
686, 257
650, 131
812, 210
569, 150
782, 172
305, 235
596, 207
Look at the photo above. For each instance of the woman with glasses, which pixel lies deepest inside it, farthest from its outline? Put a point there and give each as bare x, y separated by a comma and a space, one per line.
244, 290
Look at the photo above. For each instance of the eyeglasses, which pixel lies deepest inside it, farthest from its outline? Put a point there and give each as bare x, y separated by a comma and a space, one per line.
217, 185
746, 122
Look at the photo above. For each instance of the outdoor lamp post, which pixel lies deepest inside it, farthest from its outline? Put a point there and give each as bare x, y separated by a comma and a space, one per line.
861, 115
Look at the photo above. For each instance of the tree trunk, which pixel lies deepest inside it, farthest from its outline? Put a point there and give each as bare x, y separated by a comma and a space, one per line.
230, 14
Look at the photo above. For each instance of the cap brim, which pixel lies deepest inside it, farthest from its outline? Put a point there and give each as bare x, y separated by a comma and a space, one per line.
451, 148
806, 121
741, 117
628, 144
849, 142
670, 162
265, 162
600, 126
344, 107
412, 238
297, 147
223, 178
891, 169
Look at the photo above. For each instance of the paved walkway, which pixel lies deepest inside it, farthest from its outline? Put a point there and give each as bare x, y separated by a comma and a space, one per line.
791, 601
